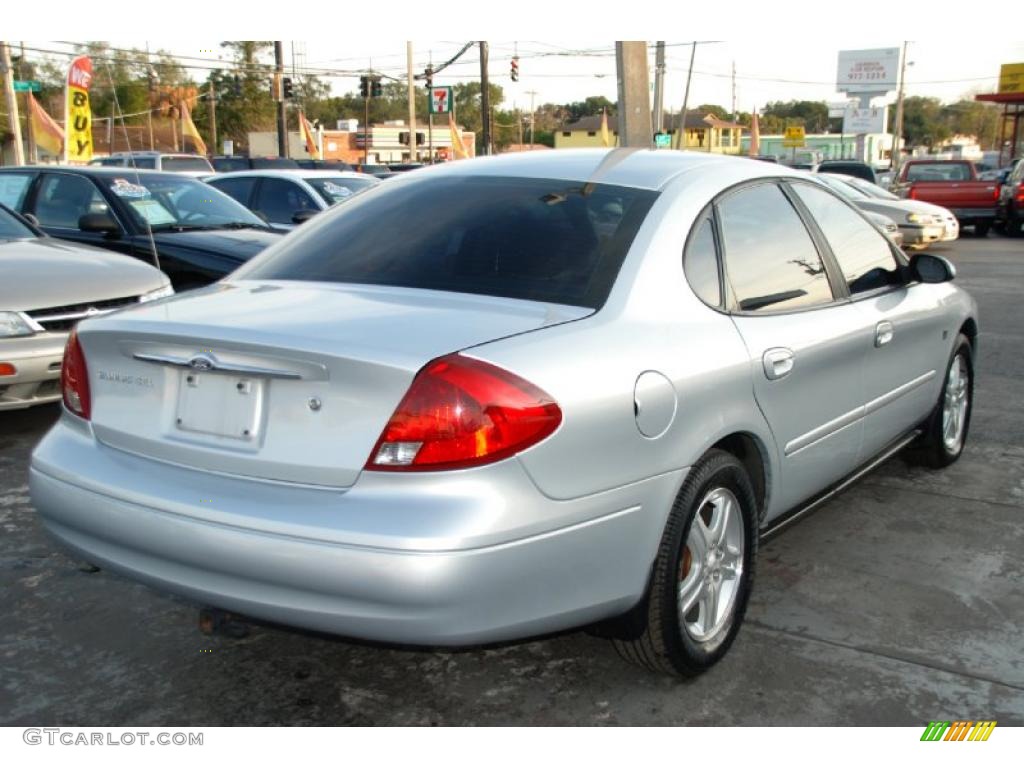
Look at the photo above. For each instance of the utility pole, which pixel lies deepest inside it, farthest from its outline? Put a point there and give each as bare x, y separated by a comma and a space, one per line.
12, 103
485, 99
531, 94
734, 90
33, 152
894, 155
680, 143
412, 103
659, 85
282, 125
634, 100
213, 114
519, 125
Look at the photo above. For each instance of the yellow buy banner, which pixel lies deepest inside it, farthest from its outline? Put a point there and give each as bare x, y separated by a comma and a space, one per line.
78, 114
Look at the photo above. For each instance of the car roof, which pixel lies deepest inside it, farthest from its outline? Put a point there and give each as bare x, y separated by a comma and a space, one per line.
631, 167
291, 173
98, 170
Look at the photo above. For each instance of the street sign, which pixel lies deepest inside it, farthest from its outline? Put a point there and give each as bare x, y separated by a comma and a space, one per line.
441, 100
1011, 78
794, 136
27, 85
870, 120
662, 140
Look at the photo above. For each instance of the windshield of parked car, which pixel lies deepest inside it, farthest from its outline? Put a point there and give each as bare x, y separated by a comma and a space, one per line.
167, 202
840, 186
341, 188
871, 190
538, 239
186, 164
11, 228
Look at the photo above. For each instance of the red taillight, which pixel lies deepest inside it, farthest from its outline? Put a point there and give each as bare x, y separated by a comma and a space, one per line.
1020, 193
460, 412
7, 369
74, 379
912, 194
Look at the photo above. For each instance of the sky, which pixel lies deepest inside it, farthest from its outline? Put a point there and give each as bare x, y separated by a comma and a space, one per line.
780, 51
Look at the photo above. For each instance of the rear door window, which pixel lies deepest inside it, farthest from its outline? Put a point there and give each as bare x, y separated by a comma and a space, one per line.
539, 239
701, 263
13, 187
771, 261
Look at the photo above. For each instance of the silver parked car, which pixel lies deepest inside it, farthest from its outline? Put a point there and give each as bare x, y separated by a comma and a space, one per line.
572, 388
285, 198
921, 223
46, 286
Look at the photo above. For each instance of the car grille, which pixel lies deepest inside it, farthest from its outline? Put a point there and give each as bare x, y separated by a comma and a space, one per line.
64, 318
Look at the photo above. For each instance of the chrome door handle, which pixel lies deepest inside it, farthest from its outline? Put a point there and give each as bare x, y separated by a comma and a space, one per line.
883, 333
778, 362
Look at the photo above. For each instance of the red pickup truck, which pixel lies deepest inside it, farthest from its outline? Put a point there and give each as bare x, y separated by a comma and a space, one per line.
953, 184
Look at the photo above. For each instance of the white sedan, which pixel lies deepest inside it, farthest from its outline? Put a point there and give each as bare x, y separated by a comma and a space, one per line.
287, 197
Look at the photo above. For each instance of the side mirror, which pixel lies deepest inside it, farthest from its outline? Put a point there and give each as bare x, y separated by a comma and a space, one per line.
99, 222
929, 268
303, 216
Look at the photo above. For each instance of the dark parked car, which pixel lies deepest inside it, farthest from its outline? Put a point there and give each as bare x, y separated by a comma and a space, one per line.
226, 163
188, 229
1011, 201
848, 168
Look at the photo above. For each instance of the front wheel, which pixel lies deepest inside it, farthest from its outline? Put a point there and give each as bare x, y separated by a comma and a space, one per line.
702, 575
946, 430
981, 230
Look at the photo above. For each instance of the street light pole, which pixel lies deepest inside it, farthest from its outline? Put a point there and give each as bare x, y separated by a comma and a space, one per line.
894, 158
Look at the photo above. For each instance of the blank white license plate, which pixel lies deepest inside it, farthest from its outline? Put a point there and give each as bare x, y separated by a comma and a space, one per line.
221, 405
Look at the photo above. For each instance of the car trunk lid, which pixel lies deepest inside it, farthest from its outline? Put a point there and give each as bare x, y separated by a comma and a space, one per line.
288, 382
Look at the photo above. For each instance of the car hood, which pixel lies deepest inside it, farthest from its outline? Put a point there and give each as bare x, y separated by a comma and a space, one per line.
238, 244
46, 272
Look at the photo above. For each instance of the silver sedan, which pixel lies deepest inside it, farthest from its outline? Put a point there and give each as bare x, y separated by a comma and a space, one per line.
507, 396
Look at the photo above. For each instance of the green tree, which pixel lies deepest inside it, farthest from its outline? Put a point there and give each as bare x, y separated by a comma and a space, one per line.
812, 115
974, 118
923, 122
249, 106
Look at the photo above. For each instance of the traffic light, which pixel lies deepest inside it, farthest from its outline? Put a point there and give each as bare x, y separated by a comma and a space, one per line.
514, 74
376, 90
286, 85
364, 86
429, 78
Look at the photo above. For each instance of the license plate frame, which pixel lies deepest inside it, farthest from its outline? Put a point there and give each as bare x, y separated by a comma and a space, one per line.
220, 405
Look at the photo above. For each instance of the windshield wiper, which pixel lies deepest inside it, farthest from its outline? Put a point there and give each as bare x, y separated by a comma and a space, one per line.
242, 225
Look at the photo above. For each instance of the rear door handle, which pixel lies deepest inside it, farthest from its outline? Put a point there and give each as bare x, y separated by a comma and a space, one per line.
883, 333
778, 362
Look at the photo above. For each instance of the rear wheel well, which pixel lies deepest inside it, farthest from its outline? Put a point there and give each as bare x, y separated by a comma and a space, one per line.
748, 450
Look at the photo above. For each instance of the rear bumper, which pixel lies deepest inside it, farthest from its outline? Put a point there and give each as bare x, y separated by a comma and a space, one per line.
37, 380
302, 557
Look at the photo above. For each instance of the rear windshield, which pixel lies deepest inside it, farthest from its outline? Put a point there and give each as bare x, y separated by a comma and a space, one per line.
938, 172
537, 239
227, 164
186, 164
340, 188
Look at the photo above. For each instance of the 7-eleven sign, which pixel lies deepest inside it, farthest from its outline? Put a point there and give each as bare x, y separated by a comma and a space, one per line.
441, 100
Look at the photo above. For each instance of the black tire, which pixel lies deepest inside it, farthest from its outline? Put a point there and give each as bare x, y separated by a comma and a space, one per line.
652, 635
1014, 225
981, 230
931, 449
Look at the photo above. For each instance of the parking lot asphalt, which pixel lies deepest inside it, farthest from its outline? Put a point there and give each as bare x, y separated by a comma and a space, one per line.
899, 602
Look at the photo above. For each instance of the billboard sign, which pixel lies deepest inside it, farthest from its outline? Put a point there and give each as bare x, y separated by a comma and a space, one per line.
440, 100
868, 71
870, 120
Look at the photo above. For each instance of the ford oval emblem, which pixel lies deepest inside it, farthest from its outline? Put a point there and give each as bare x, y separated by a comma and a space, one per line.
201, 364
